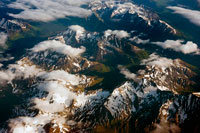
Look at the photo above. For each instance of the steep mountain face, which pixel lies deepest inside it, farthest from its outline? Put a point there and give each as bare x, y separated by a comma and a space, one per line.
139, 103
11, 26
129, 16
103, 46
55, 61
179, 114
99, 81
175, 75
58, 101
10, 29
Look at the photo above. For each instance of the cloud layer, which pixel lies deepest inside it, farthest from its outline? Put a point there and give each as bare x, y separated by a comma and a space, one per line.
20, 69
79, 31
62, 76
179, 46
59, 47
48, 10
156, 60
192, 15
118, 33
127, 73
59, 97
139, 41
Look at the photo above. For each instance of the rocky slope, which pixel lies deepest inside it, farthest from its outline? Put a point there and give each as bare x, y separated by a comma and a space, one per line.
130, 16
58, 97
11, 26
99, 81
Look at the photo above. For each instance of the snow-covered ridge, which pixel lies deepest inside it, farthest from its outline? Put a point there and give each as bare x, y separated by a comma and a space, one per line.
61, 92
58, 96
168, 74
121, 8
121, 100
12, 25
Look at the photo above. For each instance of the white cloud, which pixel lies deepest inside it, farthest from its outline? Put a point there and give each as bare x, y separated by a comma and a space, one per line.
6, 76
139, 41
127, 73
58, 96
179, 46
61, 97
79, 31
20, 69
58, 99
118, 33
58, 85
77, 28
155, 60
29, 124
3, 39
192, 15
63, 76
7, 57
48, 10
48, 108
59, 47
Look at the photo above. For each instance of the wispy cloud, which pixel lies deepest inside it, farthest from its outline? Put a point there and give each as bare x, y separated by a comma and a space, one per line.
139, 41
118, 33
127, 73
6, 57
192, 15
59, 47
78, 29
156, 60
18, 70
48, 10
62, 76
188, 47
59, 97
179, 46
